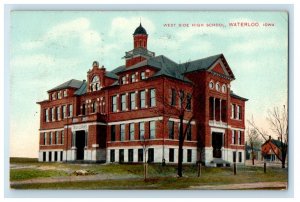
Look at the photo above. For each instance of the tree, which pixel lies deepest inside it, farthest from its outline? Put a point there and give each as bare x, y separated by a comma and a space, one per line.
278, 120
254, 141
145, 145
182, 110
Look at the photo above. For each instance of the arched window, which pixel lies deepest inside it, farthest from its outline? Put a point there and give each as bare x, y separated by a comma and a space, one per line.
95, 84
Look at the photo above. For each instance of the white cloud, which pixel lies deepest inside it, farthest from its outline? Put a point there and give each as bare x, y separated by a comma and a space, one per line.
123, 28
64, 35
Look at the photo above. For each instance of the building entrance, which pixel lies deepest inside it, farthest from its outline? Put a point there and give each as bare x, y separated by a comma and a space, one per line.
217, 142
80, 144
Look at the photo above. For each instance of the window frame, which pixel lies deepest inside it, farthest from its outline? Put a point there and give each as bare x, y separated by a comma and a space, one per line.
123, 102
131, 131
114, 102
171, 155
141, 130
113, 133
171, 126
152, 97
152, 129
142, 94
122, 132
132, 100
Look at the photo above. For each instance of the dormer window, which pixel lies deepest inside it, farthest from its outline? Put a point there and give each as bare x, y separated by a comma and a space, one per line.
95, 84
59, 95
143, 75
132, 78
123, 81
53, 96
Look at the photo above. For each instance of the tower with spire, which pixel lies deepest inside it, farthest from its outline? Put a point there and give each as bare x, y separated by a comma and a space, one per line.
140, 51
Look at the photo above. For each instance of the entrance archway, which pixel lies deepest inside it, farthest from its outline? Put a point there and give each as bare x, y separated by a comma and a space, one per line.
217, 143
80, 144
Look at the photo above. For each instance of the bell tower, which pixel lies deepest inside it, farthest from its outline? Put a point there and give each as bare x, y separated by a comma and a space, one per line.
140, 37
140, 51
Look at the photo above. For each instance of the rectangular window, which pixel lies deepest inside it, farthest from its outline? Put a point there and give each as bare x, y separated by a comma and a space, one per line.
65, 93
239, 137
173, 97
44, 156
152, 98
239, 112
189, 102
114, 103
142, 99
53, 113
61, 156
240, 157
171, 155
50, 156
70, 111
58, 113
50, 138
44, 138
64, 108
171, 129
181, 98
150, 155
143, 75
132, 101
130, 155
62, 140
189, 133
56, 137
233, 137
123, 80
122, 132
59, 95
131, 131
132, 78
123, 102
142, 130
55, 156
152, 129
189, 155
46, 115
232, 111
113, 133
121, 155
112, 155
234, 156
53, 96
140, 155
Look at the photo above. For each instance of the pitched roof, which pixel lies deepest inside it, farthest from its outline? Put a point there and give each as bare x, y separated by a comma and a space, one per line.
237, 96
82, 89
73, 83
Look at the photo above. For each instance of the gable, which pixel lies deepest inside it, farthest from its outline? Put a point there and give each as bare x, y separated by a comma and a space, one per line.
219, 67
222, 68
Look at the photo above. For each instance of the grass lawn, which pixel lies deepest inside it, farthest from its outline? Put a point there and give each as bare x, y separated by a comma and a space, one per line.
131, 176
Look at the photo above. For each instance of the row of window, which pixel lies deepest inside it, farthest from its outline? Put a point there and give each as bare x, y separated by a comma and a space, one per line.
53, 158
94, 107
53, 138
141, 132
236, 112
171, 127
58, 113
133, 78
236, 137
184, 100
59, 95
132, 101
142, 154
217, 87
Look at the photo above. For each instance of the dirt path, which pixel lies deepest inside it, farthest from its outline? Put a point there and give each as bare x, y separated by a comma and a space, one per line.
257, 185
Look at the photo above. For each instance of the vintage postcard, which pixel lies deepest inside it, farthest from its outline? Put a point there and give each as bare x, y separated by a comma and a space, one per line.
149, 100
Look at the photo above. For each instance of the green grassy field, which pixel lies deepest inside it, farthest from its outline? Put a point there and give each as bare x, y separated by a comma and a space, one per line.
128, 176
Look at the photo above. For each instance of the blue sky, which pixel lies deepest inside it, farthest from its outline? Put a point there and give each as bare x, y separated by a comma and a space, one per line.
49, 48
